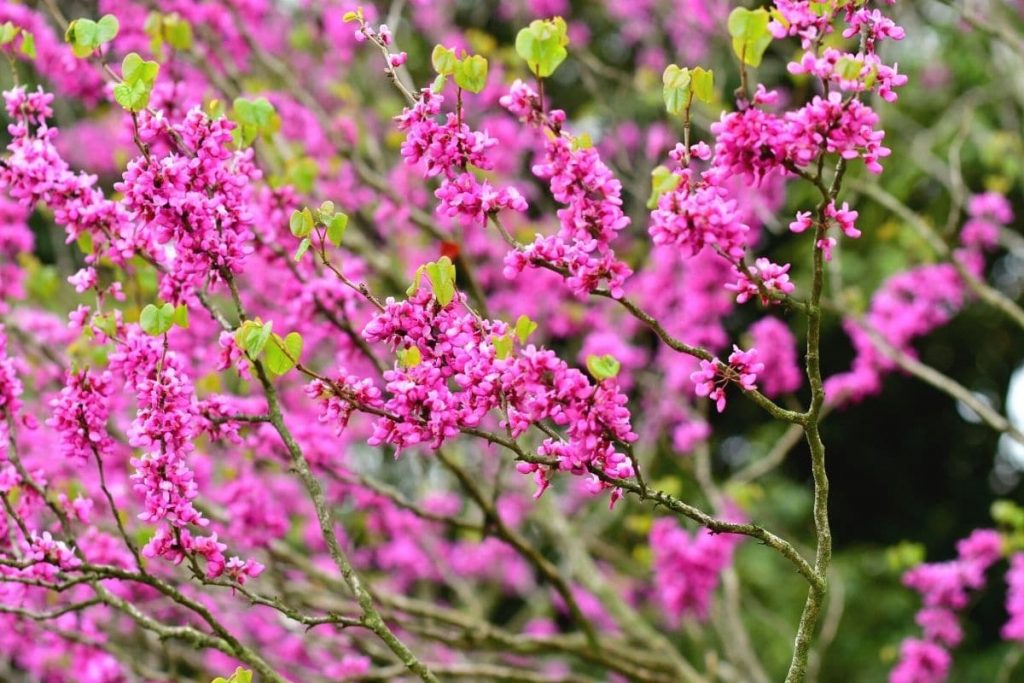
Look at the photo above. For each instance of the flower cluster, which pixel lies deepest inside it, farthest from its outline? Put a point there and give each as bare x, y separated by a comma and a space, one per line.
448, 150
714, 376
196, 198
80, 412
591, 196
699, 214
11, 388
944, 589
36, 172
771, 276
459, 377
777, 351
687, 568
165, 426
1014, 628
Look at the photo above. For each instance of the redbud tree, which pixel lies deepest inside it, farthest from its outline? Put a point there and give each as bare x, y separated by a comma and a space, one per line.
455, 341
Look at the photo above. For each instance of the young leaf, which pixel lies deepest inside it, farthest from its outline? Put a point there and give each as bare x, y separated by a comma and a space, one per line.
410, 357
28, 45
336, 228
8, 32
662, 180
542, 45
156, 320
703, 84
603, 367
283, 354
471, 73
502, 346
441, 274
138, 76
303, 248
750, 35
106, 29
416, 278
676, 88
301, 222
524, 328
443, 60
181, 316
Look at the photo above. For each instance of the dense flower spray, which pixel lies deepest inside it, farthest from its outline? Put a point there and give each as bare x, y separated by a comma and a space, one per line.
399, 353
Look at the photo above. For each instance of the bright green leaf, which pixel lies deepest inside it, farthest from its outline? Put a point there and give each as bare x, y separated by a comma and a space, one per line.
336, 228
156, 320
603, 367
8, 32
181, 316
471, 73
703, 84
410, 357
524, 328
283, 354
662, 180
441, 274
502, 346
106, 29
28, 45
849, 68
750, 34
303, 248
542, 45
416, 278
676, 88
444, 60
301, 222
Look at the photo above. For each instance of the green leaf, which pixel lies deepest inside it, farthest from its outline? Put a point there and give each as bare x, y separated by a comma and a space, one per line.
416, 278
444, 60
410, 357
177, 31
603, 367
301, 222
502, 346
255, 118
336, 228
8, 32
86, 35
28, 45
849, 68
302, 174
138, 76
252, 336
662, 180
303, 248
471, 73
284, 354
542, 45
439, 84
703, 84
524, 328
441, 274
156, 320
676, 88
106, 29
107, 322
750, 35
181, 316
